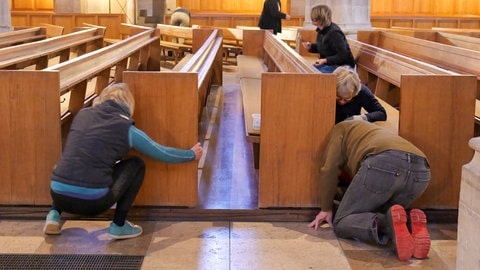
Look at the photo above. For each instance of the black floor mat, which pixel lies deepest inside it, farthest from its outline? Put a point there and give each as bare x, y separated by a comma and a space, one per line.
69, 261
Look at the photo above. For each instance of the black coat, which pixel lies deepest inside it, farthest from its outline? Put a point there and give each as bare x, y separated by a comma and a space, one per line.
271, 17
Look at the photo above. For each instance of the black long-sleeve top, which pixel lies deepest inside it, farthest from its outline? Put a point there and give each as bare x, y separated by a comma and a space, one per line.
364, 99
332, 44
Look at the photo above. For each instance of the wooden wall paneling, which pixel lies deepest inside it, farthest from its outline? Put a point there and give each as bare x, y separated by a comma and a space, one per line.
221, 6
448, 23
85, 18
294, 21
426, 23
67, 21
112, 23
380, 7
200, 20
252, 6
213, 5
245, 21
403, 22
19, 20
469, 23
37, 19
381, 22
32, 5
400, 7
233, 6
423, 7
222, 21
44, 5
23, 5
192, 5
467, 7
444, 8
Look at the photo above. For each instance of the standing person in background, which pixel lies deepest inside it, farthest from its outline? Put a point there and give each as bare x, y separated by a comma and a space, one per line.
180, 17
331, 43
352, 96
94, 171
271, 17
389, 174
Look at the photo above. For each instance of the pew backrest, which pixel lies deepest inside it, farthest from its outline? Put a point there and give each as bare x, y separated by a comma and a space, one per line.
125, 30
39, 52
132, 53
52, 30
167, 32
453, 58
22, 36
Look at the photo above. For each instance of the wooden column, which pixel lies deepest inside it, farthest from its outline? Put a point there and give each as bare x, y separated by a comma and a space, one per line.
5, 17
469, 212
351, 16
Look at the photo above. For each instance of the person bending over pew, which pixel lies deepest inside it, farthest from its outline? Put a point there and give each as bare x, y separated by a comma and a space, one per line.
389, 173
352, 96
94, 171
331, 43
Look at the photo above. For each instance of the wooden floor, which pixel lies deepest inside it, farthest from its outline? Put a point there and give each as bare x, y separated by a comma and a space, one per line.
227, 179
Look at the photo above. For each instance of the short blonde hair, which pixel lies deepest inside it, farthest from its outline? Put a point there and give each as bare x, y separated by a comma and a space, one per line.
321, 14
348, 81
118, 92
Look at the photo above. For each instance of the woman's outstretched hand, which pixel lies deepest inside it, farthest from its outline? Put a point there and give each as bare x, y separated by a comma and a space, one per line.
198, 150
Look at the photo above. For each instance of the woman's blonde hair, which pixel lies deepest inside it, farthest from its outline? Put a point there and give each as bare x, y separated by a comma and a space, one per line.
119, 93
348, 81
321, 14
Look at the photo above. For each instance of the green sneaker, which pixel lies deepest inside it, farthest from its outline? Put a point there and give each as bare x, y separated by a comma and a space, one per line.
128, 230
52, 223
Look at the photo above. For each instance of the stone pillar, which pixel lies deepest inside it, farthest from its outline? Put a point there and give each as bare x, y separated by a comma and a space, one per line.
68, 6
5, 18
468, 238
350, 15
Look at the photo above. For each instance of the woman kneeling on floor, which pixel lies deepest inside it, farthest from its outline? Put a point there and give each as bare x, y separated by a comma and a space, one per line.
94, 171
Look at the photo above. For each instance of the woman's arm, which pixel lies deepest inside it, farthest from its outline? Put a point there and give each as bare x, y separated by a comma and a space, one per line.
376, 112
141, 142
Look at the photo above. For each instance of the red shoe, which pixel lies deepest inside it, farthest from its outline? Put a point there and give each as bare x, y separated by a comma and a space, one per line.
401, 237
420, 234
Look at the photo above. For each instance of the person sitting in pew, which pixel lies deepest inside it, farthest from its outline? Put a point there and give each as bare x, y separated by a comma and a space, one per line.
331, 43
389, 173
352, 96
94, 171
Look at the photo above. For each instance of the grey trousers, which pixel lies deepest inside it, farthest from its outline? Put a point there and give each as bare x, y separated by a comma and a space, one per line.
391, 177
